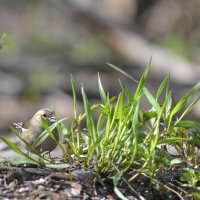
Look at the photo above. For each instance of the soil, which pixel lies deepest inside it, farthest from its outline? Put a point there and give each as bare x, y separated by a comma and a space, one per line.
33, 182
36, 182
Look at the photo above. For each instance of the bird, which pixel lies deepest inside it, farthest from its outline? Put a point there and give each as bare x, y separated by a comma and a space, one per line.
31, 128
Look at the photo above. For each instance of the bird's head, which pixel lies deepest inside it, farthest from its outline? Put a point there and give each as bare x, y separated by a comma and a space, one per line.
45, 114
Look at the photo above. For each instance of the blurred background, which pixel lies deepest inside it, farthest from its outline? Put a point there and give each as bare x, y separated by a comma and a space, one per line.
47, 41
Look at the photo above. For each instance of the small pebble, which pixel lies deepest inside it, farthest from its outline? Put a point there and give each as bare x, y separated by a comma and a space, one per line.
41, 187
23, 189
39, 181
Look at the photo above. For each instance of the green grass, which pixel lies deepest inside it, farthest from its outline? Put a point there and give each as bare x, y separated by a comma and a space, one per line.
126, 142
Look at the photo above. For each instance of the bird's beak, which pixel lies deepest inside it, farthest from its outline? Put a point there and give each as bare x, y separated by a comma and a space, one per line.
52, 119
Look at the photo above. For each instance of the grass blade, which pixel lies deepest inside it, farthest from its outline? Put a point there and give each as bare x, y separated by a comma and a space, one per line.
188, 124
141, 84
17, 149
122, 72
101, 91
74, 96
152, 100
184, 100
89, 118
162, 86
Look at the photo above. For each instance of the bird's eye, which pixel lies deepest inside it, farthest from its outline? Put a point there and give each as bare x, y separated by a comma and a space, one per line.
44, 115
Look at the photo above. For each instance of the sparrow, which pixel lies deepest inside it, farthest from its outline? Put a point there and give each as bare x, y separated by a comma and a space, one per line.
31, 128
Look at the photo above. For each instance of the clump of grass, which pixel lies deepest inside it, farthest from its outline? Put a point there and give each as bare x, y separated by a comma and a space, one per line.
127, 141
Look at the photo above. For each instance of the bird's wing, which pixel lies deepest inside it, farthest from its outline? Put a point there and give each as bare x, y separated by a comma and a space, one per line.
26, 124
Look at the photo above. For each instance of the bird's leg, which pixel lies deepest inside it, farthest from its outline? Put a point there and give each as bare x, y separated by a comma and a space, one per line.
28, 153
49, 153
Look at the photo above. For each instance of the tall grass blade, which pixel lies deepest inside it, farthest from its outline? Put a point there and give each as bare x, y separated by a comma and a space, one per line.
122, 72
135, 129
141, 84
101, 91
184, 100
118, 110
164, 84
74, 96
187, 110
127, 92
42, 137
89, 117
152, 100
156, 131
116, 180
188, 124
29, 146
17, 149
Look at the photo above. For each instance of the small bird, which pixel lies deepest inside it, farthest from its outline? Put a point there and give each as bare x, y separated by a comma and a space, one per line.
31, 128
